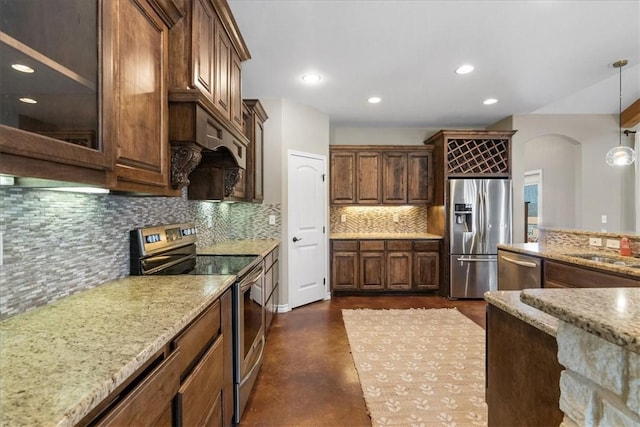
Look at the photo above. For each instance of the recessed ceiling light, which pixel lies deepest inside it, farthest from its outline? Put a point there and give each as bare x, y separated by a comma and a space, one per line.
464, 69
489, 101
374, 100
311, 78
28, 100
23, 68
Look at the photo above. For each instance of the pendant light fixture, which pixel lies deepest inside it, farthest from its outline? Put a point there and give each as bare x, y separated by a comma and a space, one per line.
620, 155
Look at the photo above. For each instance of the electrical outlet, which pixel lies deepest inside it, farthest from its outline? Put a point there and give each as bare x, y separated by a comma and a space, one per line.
613, 244
595, 241
343, 218
272, 220
396, 217
209, 222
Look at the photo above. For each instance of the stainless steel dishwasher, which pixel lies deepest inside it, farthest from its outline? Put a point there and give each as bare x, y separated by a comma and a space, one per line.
518, 271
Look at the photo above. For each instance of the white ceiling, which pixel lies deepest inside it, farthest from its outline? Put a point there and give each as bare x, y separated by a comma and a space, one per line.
547, 57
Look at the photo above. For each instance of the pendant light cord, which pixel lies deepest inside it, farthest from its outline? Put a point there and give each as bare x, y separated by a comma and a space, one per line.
620, 110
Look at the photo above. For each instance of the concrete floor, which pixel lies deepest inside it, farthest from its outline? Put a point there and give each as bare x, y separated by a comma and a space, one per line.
308, 377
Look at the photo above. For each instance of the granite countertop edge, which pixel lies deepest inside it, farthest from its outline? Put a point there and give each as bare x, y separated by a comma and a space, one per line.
562, 253
594, 310
388, 236
509, 301
86, 401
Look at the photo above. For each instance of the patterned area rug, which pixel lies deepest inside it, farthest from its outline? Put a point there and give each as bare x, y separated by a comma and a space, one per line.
419, 367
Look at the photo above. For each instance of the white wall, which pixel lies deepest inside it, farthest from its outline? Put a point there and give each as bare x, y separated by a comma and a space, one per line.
345, 135
296, 127
599, 187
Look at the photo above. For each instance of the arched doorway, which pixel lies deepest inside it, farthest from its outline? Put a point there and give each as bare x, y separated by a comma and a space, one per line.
558, 157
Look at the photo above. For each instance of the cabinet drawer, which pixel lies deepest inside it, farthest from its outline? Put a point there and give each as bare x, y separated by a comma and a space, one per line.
201, 390
344, 245
557, 274
372, 245
399, 245
426, 245
150, 400
196, 337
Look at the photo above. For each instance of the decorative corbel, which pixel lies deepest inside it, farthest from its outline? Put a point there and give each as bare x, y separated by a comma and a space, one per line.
184, 159
231, 177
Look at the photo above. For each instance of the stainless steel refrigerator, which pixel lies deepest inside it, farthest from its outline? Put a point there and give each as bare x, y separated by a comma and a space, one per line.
480, 219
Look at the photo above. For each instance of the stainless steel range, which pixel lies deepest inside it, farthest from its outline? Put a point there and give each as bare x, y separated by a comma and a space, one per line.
171, 249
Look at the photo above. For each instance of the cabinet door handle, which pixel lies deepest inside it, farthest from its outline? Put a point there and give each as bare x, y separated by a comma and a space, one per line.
520, 263
295, 239
475, 260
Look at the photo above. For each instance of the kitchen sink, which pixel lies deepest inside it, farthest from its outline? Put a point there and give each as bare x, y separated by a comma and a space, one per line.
635, 263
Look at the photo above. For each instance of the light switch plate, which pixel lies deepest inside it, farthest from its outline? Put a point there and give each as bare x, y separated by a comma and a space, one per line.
396, 217
272, 220
613, 244
604, 219
343, 218
595, 241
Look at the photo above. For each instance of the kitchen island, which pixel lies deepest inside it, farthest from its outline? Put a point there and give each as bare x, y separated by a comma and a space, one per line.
598, 351
569, 254
60, 361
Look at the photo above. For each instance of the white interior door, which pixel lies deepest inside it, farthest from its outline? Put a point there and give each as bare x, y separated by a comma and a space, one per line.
307, 206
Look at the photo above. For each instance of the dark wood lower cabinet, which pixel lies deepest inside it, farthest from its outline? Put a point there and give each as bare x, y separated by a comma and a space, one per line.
385, 265
426, 270
188, 383
199, 397
372, 271
399, 270
560, 275
523, 373
149, 403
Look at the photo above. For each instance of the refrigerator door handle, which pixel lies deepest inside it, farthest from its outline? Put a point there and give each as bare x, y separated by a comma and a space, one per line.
481, 219
475, 260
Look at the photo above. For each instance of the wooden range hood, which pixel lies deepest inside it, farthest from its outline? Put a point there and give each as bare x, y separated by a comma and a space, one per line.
206, 154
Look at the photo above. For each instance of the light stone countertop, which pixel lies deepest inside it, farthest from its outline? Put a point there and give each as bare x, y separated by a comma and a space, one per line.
612, 314
59, 361
563, 253
509, 301
386, 236
240, 247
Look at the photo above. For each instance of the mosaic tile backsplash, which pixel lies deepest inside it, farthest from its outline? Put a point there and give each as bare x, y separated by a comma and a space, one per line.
56, 244
369, 219
580, 238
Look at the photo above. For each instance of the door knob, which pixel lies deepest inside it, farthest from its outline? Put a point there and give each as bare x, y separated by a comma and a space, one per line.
295, 239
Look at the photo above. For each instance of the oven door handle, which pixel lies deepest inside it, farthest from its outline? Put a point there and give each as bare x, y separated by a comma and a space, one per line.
251, 278
257, 364
169, 264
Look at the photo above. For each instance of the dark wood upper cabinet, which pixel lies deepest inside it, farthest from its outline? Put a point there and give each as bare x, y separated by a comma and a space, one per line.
205, 99
204, 37
50, 123
141, 107
381, 175
419, 178
394, 178
369, 177
254, 118
100, 92
342, 177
